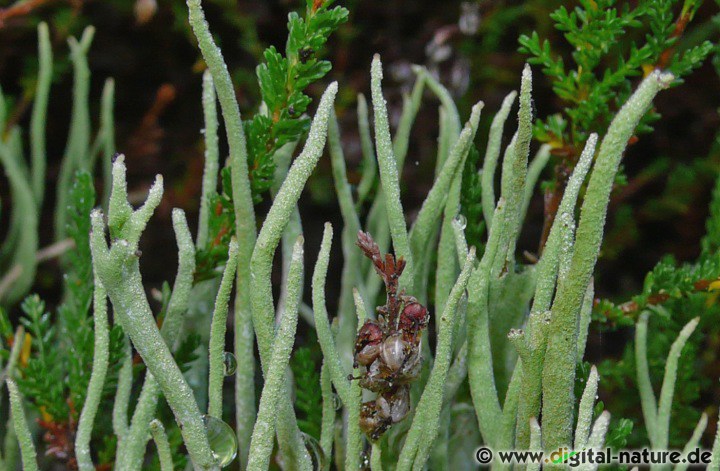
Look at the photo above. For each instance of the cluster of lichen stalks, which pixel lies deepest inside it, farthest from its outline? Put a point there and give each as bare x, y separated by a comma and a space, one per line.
513, 379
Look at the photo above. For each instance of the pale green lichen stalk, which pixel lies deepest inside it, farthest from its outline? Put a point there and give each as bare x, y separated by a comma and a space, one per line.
514, 331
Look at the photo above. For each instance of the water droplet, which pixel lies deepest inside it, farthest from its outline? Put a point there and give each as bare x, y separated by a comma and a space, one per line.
365, 460
229, 363
461, 221
317, 455
417, 163
222, 439
337, 402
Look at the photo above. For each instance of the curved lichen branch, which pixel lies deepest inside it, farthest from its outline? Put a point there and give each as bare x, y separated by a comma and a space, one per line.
322, 323
263, 308
389, 174
161, 441
561, 356
101, 355
217, 334
657, 415
492, 154
535, 340
277, 219
212, 157
424, 427
273, 393
27, 447
245, 224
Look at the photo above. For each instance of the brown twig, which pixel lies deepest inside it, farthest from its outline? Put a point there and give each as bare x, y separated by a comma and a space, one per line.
21, 8
42, 255
389, 270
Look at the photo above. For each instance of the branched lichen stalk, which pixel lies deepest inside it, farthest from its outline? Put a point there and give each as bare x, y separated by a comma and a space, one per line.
131, 446
377, 222
217, 335
118, 269
432, 207
561, 355
447, 265
77, 148
351, 276
263, 310
514, 171
480, 365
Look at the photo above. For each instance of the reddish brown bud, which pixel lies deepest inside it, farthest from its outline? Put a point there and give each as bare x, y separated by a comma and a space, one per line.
414, 317
367, 344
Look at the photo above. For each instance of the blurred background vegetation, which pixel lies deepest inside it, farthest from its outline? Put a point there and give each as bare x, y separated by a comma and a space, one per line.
590, 63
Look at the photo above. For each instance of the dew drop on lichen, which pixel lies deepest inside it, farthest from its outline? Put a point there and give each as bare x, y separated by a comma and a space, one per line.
315, 451
364, 461
229, 363
222, 439
461, 221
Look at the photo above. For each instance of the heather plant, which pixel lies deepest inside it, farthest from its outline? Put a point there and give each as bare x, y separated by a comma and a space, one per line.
505, 337
606, 45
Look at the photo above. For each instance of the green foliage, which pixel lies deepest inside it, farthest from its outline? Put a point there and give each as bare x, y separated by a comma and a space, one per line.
76, 324
618, 434
42, 379
57, 372
307, 382
674, 293
611, 44
187, 351
221, 227
282, 81
6, 330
